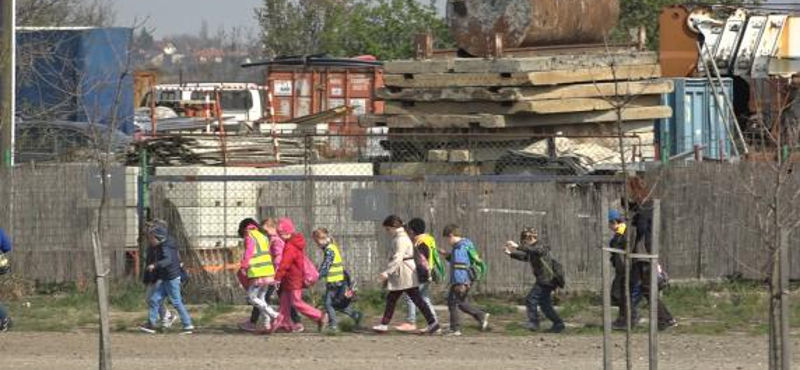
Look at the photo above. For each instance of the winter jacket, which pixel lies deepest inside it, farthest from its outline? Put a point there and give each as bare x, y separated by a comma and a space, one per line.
402, 270
537, 255
290, 273
276, 247
250, 247
5, 242
460, 263
168, 261
150, 258
620, 242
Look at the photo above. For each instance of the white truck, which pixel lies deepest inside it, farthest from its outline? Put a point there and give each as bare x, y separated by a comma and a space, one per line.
240, 102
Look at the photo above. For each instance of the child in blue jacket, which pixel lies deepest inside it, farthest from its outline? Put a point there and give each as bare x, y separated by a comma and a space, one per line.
460, 280
5, 247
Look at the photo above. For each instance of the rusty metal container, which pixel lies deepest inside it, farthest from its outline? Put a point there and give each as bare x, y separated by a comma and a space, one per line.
302, 91
529, 23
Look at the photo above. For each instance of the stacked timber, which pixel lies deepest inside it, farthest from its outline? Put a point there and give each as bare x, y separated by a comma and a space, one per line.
571, 94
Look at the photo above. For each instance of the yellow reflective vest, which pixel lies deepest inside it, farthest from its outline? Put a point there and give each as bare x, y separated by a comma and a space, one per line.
261, 264
336, 271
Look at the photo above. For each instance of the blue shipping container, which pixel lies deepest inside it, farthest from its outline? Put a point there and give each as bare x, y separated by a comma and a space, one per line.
696, 120
76, 74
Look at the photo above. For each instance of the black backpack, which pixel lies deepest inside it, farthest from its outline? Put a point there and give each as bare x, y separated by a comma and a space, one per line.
423, 266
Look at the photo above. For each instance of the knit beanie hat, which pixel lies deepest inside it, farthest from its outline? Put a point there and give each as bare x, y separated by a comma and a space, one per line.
160, 232
286, 226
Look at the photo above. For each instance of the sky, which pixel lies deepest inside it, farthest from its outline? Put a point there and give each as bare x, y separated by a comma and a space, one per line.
170, 17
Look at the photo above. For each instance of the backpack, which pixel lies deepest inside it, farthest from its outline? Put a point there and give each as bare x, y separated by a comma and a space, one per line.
436, 267
556, 269
310, 273
423, 267
346, 296
477, 267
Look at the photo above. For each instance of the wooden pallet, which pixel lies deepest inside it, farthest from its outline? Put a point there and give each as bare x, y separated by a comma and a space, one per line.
522, 107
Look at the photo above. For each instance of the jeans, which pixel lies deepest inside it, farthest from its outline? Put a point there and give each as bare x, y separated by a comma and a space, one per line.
3, 312
257, 296
331, 292
541, 296
169, 289
411, 317
664, 316
458, 299
413, 293
151, 289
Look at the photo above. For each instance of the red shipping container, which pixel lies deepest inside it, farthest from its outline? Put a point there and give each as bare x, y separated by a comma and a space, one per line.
302, 90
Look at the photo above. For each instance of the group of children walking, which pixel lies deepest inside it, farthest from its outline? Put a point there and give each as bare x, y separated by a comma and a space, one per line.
275, 261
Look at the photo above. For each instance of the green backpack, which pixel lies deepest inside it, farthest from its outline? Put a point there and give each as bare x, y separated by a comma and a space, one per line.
477, 266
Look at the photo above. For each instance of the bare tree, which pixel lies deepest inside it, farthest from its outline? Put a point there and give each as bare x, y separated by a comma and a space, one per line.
774, 189
623, 95
62, 13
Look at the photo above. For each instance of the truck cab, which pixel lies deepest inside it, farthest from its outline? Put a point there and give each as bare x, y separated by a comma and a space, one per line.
239, 102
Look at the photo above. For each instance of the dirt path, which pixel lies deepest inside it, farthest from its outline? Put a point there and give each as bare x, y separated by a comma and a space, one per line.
36, 351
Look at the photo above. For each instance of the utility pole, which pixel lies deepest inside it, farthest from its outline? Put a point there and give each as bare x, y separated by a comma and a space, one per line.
7, 80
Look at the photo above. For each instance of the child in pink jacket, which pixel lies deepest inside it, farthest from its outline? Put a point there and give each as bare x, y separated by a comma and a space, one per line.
257, 284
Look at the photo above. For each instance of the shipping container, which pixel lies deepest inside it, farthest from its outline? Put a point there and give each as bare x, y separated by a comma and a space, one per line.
303, 90
76, 74
696, 120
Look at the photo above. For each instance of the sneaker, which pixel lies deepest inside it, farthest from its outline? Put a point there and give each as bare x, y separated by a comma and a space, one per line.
321, 323
332, 329
189, 329
248, 326
619, 325
432, 329
299, 328
406, 327
148, 328
357, 319
531, 326
667, 325
380, 328
266, 328
169, 320
5, 324
485, 322
453, 333
557, 328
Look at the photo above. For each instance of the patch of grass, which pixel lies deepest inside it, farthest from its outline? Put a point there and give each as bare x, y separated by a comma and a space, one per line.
499, 309
127, 296
211, 312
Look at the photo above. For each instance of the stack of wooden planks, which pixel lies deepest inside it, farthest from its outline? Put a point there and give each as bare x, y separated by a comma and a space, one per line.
572, 94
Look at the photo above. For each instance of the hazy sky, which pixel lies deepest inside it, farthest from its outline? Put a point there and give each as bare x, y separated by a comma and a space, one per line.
170, 17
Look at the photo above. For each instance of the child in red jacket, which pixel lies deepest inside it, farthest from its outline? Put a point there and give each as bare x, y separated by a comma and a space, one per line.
291, 277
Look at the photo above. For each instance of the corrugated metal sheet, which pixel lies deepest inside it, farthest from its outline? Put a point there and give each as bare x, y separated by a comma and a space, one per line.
74, 74
696, 120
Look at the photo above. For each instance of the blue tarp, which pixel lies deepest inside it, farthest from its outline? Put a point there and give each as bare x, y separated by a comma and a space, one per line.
81, 74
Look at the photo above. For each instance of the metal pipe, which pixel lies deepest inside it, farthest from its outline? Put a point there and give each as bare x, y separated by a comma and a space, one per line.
608, 360
7, 92
718, 105
654, 263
